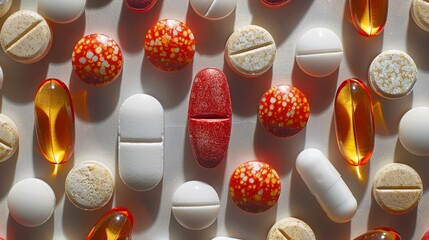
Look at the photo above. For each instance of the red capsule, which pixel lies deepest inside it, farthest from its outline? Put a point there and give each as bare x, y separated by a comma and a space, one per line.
140, 6
210, 117
170, 45
255, 186
380, 234
115, 224
274, 3
283, 110
97, 59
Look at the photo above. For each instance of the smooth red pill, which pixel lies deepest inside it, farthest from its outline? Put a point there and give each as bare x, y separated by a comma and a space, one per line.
283, 110
170, 45
274, 3
210, 117
140, 6
117, 223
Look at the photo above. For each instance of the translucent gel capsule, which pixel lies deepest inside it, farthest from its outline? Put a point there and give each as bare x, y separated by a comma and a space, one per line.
354, 122
380, 234
115, 224
369, 16
54, 121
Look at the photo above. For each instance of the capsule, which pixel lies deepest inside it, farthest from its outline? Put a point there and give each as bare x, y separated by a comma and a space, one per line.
115, 224
354, 122
369, 16
326, 184
380, 234
54, 121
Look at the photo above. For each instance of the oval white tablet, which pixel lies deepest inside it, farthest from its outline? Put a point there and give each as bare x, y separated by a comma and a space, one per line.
141, 142
414, 131
213, 9
61, 11
31, 202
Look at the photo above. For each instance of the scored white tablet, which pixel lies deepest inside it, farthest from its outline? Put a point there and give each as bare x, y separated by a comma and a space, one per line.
141, 142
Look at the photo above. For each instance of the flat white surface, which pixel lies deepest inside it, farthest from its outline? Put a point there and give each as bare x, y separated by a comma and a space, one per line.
97, 108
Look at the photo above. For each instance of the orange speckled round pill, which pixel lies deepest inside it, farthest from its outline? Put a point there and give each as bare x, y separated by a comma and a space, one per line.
255, 186
97, 59
283, 110
169, 45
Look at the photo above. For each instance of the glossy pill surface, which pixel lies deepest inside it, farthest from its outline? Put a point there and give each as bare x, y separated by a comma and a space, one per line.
397, 188
140, 6
213, 9
414, 131
380, 234
274, 3
169, 45
210, 117
115, 224
9, 138
426, 236
326, 184
97, 59
283, 110
61, 11
290, 228
5, 6
255, 186
195, 205
369, 16
354, 122
31, 202
420, 13
54, 121
250, 51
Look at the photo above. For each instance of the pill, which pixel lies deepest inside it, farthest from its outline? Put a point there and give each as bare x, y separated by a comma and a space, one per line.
274, 3
420, 13
26, 37
354, 122
89, 185
380, 234
397, 188
210, 117
5, 6
97, 60
61, 11
326, 184
1, 78
31, 202
115, 224
141, 142
250, 51
140, 6
319, 52
283, 110
9, 138
290, 228
169, 45
426, 236
54, 121
255, 186
195, 205
414, 131
213, 9
369, 16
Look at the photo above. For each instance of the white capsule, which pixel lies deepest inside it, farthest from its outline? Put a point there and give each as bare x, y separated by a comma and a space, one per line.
326, 184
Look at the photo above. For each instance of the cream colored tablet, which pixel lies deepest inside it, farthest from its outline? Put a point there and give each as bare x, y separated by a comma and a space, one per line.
9, 137
420, 13
291, 228
5, 6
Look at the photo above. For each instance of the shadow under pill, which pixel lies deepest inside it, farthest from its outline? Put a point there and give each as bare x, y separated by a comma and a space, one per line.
178, 232
417, 41
18, 231
7, 174
97, 3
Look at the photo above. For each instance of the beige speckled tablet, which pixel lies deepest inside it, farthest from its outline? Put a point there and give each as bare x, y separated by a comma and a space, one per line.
420, 13
9, 137
397, 188
5, 6
291, 228
89, 185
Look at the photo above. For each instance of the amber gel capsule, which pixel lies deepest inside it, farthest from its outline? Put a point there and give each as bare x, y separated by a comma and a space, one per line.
115, 224
380, 234
354, 122
369, 16
54, 121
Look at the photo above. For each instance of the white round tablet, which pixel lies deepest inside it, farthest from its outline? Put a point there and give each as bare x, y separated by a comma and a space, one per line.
61, 11
319, 52
213, 9
195, 205
31, 202
5, 6
414, 131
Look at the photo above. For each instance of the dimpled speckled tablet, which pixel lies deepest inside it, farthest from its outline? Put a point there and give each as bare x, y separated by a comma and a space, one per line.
420, 13
290, 228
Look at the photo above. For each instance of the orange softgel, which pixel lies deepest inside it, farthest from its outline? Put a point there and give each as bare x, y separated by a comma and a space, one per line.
354, 122
380, 234
369, 16
54, 121
115, 224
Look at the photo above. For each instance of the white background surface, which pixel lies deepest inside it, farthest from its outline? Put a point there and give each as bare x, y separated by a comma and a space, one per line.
96, 120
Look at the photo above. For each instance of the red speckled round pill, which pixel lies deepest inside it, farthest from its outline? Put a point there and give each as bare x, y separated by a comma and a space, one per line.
97, 59
274, 3
255, 186
140, 5
283, 110
170, 45
426, 236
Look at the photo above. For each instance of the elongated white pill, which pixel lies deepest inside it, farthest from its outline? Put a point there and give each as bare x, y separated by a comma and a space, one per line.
326, 184
141, 142
213, 9
61, 11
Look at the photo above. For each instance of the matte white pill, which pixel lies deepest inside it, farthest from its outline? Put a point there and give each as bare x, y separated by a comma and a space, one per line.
31, 202
319, 52
5, 6
61, 11
195, 205
420, 13
9, 137
26, 37
414, 131
141, 142
290, 228
326, 184
213, 9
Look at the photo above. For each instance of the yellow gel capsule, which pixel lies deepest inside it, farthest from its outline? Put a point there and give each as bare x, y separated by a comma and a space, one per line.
115, 224
54, 119
369, 16
354, 122
380, 234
